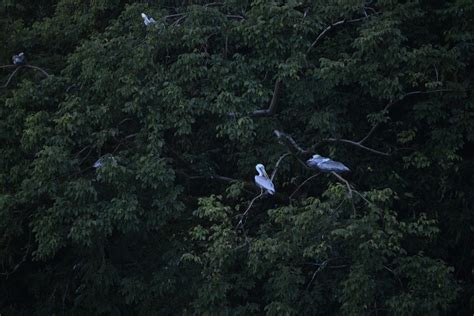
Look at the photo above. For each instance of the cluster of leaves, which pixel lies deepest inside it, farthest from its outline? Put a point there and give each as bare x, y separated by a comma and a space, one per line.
170, 111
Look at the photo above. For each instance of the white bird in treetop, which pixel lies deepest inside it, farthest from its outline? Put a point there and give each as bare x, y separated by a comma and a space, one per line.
19, 59
326, 165
263, 181
148, 20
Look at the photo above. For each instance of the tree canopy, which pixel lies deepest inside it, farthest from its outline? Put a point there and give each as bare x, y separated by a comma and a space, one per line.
179, 112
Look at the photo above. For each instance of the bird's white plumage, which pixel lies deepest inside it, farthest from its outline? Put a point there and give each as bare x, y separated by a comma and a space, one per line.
19, 59
263, 181
326, 164
147, 20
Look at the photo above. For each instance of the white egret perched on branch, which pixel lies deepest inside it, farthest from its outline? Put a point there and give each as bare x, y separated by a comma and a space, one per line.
148, 20
326, 165
106, 159
263, 181
19, 59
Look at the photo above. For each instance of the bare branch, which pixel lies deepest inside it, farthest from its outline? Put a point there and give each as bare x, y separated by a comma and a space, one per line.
213, 4
357, 144
327, 29
234, 16
289, 142
242, 217
25, 255
215, 177
18, 68
37, 68
273, 104
178, 20
303, 183
171, 16
271, 108
349, 188
392, 103
8, 66
321, 266
277, 165
10, 78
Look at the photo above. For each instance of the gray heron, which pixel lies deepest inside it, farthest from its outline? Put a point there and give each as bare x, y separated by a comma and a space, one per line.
148, 20
326, 165
263, 181
19, 59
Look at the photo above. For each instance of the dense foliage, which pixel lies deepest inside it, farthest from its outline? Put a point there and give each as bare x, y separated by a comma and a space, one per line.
176, 112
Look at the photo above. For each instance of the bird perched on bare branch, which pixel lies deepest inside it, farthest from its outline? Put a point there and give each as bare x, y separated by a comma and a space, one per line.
148, 20
326, 165
263, 181
19, 59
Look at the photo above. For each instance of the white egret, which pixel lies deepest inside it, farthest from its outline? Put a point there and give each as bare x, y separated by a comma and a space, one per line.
106, 159
263, 181
19, 59
98, 164
326, 165
147, 20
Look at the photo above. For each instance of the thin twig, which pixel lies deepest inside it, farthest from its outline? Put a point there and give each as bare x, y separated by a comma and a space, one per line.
393, 272
241, 223
25, 255
8, 66
213, 177
213, 4
10, 78
234, 16
81, 151
345, 181
37, 68
322, 266
392, 103
303, 183
178, 20
357, 144
327, 29
171, 16
287, 140
277, 165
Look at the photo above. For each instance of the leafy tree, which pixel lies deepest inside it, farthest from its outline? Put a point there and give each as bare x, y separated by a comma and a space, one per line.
178, 113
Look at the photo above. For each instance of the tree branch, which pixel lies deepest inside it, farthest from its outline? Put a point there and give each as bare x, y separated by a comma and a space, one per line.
289, 142
37, 68
25, 255
357, 144
272, 106
294, 148
8, 66
277, 165
242, 217
327, 29
303, 183
10, 78
392, 103
18, 68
